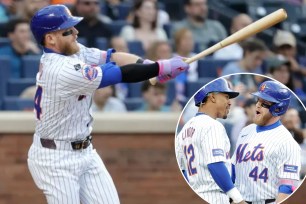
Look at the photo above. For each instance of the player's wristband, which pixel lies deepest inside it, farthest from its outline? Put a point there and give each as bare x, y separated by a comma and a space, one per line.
140, 61
235, 195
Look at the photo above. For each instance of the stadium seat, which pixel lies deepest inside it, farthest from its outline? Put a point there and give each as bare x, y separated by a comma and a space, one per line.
211, 67
16, 86
18, 104
30, 66
124, 10
133, 103
171, 93
4, 75
302, 60
167, 28
116, 26
4, 41
82, 40
136, 47
193, 87
134, 90
196, 48
101, 43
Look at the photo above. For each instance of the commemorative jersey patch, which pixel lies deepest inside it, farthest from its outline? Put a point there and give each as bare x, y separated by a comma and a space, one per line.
90, 72
290, 168
77, 67
218, 152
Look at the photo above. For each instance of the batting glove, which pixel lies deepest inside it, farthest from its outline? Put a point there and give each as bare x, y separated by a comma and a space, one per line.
170, 68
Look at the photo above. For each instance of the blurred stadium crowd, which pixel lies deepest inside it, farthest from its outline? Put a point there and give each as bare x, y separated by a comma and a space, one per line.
158, 30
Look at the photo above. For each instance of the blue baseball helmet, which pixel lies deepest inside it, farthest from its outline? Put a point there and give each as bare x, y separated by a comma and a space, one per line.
52, 18
276, 93
219, 85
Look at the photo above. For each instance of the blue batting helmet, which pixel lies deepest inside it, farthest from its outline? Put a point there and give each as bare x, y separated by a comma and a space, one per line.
52, 18
276, 93
219, 85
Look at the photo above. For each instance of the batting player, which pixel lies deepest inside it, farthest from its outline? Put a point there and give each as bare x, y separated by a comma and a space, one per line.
267, 158
62, 160
202, 146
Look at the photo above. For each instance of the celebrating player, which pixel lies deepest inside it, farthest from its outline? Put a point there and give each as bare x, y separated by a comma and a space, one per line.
203, 146
267, 159
62, 160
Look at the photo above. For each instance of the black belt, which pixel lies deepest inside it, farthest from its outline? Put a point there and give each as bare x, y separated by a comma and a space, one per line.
76, 145
266, 201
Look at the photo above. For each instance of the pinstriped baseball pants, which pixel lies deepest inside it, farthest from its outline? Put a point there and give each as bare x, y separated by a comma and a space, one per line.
71, 177
215, 197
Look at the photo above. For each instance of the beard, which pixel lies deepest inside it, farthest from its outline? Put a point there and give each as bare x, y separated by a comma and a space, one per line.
223, 115
262, 120
70, 49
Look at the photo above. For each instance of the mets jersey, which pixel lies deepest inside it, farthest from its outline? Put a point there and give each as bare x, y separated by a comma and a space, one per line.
203, 140
64, 89
262, 158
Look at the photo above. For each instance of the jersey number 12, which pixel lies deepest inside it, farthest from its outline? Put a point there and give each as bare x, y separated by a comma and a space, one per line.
189, 154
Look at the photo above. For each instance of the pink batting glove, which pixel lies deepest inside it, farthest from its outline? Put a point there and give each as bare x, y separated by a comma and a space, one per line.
170, 68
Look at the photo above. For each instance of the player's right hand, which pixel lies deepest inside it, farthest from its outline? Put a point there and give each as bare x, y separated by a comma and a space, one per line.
170, 68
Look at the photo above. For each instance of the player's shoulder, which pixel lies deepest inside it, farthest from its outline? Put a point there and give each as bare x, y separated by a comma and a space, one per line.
207, 121
287, 136
249, 128
88, 51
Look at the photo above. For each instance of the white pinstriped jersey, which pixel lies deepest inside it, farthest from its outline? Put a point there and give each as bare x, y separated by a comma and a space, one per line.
67, 84
203, 140
263, 158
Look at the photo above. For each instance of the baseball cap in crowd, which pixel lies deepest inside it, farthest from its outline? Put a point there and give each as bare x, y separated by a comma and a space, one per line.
275, 62
283, 37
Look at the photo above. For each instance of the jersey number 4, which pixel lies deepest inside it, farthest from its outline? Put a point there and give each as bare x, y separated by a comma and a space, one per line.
189, 154
263, 175
37, 101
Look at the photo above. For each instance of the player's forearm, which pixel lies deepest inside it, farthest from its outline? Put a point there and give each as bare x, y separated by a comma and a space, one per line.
223, 179
122, 58
281, 197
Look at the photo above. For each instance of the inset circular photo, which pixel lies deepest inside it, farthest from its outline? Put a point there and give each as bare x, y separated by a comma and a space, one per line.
240, 139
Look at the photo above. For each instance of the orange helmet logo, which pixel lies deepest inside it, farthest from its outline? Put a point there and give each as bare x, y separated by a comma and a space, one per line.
262, 87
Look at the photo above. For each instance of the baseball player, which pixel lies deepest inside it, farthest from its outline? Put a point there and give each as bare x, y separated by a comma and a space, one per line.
267, 158
62, 160
202, 146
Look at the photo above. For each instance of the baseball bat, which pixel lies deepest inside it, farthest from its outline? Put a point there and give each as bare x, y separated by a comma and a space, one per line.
253, 28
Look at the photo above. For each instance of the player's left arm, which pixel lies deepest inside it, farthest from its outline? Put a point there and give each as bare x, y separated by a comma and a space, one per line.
286, 187
122, 58
95, 56
223, 179
289, 170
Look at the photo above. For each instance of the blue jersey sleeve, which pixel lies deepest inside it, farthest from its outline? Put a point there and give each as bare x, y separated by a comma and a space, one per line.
111, 74
221, 176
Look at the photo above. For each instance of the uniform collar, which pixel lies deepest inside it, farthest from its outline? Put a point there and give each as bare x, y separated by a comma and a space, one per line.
200, 113
268, 127
48, 50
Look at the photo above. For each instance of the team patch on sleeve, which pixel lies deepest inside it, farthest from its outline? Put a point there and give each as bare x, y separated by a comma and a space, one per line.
77, 67
218, 152
290, 168
89, 72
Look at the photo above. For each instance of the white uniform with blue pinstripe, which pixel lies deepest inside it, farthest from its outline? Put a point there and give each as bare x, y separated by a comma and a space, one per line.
203, 140
65, 85
263, 158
